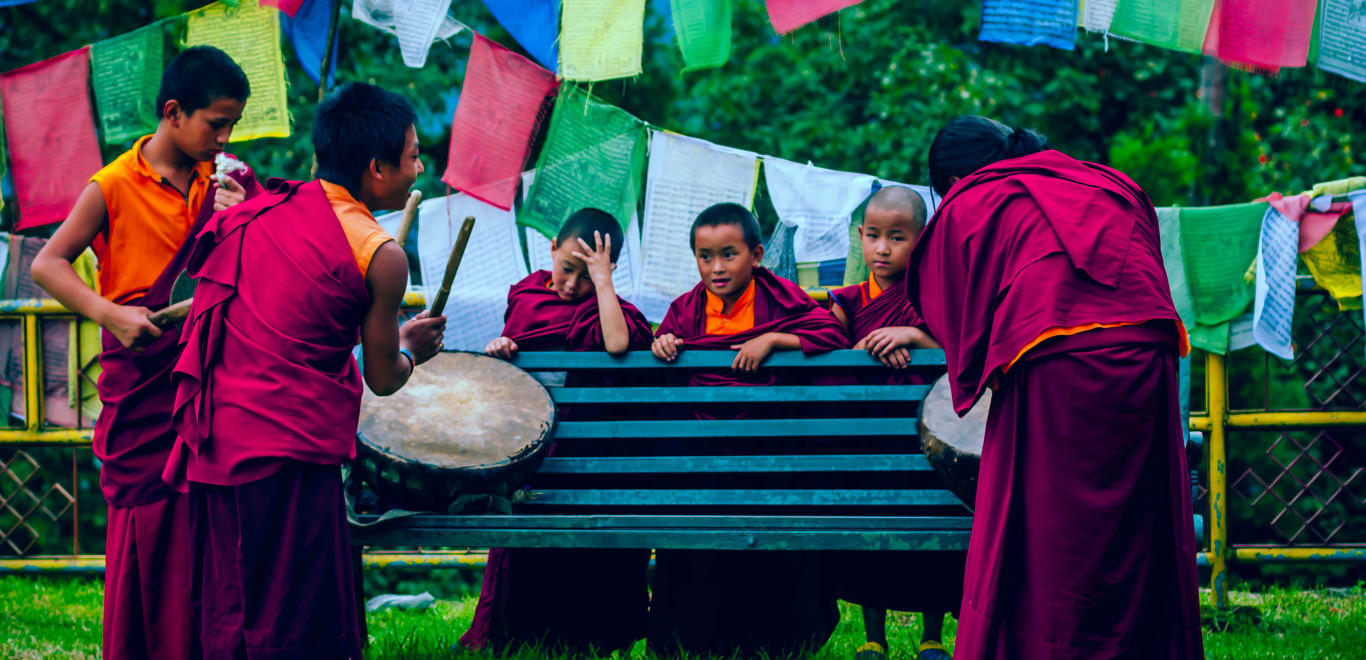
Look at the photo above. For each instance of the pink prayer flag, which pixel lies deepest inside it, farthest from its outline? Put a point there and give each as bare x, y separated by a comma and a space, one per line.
1261, 35
290, 7
788, 15
501, 104
51, 134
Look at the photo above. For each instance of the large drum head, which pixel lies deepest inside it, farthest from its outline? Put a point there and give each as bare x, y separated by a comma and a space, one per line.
464, 423
953, 444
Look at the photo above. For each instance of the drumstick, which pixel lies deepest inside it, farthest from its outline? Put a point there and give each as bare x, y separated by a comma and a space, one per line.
452, 265
171, 316
409, 212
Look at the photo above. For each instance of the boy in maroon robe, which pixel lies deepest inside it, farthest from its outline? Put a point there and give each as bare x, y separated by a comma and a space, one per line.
750, 603
882, 321
584, 602
137, 213
268, 393
1043, 278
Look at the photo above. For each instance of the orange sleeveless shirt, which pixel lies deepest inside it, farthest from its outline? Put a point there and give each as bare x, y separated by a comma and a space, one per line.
148, 221
740, 318
363, 232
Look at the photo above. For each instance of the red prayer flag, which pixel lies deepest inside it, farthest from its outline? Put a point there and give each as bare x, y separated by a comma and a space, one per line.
51, 135
500, 107
788, 15
1263, 35
290, 7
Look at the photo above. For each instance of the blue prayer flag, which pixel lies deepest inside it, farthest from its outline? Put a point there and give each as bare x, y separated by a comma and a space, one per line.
1030, 22
307, 30
535, 24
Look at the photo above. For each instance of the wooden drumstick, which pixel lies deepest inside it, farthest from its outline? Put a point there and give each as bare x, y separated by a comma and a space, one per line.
452, 265
409, 212
172, 315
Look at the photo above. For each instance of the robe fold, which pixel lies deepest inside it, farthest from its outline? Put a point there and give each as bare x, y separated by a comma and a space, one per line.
267, 402
744, 602
1082, 543
147, 558
568, 600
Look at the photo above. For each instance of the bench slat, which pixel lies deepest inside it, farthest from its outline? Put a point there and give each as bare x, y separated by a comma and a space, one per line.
569, 361
668, 539
742, 497
742, 428
776, 394
621, 521
734, 464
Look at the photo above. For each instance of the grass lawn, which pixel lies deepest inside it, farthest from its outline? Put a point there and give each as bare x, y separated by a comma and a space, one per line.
60, 617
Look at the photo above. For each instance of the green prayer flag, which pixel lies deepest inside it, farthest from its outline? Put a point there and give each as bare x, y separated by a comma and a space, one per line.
1218, 246
126, 73
702, 28
1174, 24
594, 155
1169, 225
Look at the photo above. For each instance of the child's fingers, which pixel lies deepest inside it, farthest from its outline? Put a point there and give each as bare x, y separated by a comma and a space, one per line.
606, 244
586, 246
597, 240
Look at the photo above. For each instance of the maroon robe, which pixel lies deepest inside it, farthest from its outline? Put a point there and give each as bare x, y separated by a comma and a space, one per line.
147, 558
928, 581
576, 600
746, 603
1082, 542
267, 402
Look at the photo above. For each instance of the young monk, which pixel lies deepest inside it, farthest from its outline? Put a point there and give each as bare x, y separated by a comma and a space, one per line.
137, 214
1042, 275
582, 602
881, 321
268, 393
750, 603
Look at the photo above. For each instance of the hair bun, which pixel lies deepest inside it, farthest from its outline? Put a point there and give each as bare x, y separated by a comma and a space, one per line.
1022, 142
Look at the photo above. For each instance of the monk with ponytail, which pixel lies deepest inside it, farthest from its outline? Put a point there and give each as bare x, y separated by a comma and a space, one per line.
1042, 277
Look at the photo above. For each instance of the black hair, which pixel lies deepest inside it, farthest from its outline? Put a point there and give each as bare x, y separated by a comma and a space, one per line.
971, 142
583, 222
901, 200
199, 76
727, 213
358, 123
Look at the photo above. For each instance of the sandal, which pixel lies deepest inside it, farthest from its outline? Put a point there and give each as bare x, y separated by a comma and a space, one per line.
871, 651
932, 651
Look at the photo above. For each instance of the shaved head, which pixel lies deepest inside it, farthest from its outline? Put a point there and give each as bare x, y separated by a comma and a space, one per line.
901, 201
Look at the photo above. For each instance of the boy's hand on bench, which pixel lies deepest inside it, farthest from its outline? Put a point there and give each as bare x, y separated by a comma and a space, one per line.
501, 347
666, 347
752, 353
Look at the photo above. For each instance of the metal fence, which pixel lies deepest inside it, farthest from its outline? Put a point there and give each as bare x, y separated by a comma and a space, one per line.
1292, 490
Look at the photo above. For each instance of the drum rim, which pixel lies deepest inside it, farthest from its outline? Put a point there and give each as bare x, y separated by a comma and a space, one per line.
528, 452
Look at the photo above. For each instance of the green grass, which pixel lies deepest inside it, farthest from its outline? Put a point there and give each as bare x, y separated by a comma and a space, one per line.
60, 617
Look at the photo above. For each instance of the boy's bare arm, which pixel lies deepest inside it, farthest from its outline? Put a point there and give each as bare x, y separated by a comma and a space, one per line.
386, 369
52, 270
616, 337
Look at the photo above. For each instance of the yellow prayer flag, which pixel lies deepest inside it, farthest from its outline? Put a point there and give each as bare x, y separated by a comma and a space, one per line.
601, 39
1335, 263
250, 35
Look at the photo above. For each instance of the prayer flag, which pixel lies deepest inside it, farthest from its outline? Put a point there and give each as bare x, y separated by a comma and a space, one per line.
1172, 24
535, 24
594, 155
601, 39
502, 101
819, 202
51, 135
1263, 35
1341, 37
126, 72
250, 35
1218, 247
290, 7
702, 28
308, 32
788, 15
1030, 22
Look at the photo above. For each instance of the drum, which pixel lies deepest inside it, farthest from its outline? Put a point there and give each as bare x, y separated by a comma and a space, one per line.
465, 424
952, 444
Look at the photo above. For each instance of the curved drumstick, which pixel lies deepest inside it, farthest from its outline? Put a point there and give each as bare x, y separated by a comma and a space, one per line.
171, 316
452, 265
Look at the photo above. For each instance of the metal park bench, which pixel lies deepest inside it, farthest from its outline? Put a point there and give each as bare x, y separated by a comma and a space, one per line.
814, 467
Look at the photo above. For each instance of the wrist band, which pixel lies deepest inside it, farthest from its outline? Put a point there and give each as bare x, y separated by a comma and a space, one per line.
412, 361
